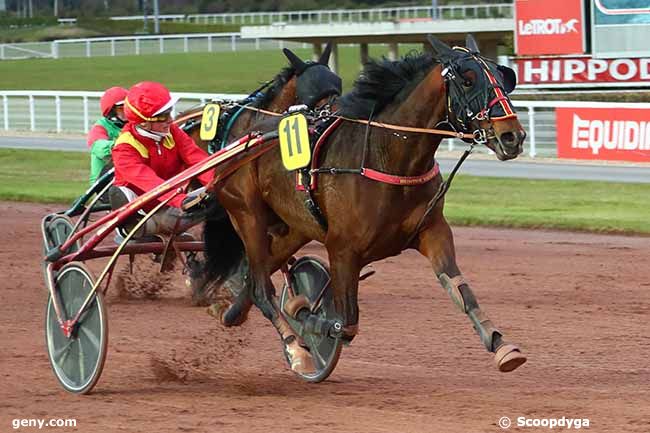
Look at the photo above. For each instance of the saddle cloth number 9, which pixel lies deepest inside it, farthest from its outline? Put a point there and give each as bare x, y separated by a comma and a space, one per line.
294, 141
209, 122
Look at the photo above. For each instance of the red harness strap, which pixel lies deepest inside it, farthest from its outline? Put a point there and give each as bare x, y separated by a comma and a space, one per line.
369, 173
314, 157
401, 180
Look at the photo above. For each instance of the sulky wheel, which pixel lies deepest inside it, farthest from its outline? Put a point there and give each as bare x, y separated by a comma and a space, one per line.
56, 230
78, 360
308, 276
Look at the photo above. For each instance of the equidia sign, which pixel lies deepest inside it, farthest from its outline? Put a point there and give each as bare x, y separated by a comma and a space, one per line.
621, 134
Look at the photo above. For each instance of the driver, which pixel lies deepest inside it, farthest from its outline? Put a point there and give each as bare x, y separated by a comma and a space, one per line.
102, 135
150, 150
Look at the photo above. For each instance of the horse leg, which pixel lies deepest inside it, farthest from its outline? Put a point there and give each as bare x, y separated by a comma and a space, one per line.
345, 266
252, 226
437, 244
234, 311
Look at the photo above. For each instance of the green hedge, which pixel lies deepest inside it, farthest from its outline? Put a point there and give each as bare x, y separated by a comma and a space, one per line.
639, 96
27, 22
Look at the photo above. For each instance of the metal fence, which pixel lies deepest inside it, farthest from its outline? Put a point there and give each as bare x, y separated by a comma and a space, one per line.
135, 45
75, 112
501, 10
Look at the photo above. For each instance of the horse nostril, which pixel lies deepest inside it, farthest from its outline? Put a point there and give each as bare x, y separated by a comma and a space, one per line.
522, 135
508, 139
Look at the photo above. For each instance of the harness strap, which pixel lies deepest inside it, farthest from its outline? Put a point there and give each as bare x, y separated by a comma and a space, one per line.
496, 100
319, 142
401, 180
369, 173
459, 135
231, 122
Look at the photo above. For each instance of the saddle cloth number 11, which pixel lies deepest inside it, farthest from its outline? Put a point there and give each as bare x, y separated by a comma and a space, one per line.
294, 141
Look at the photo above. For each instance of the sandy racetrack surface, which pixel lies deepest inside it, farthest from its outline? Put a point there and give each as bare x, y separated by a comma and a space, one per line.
578, 305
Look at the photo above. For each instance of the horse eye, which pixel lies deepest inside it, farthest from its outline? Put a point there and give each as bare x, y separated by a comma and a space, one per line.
467, 82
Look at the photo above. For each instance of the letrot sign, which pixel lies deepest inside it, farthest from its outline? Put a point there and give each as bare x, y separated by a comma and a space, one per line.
549, 27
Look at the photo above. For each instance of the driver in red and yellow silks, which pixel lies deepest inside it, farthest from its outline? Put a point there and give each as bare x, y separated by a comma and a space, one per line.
150, 150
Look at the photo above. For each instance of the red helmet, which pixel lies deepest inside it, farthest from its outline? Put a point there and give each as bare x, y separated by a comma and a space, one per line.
146, 100
111, 97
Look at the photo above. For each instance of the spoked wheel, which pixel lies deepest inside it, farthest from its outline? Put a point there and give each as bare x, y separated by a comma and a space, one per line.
78, 360
56, 230
308, 277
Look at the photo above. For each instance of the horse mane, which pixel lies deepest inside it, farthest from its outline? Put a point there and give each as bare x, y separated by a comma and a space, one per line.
384, 81
279, 81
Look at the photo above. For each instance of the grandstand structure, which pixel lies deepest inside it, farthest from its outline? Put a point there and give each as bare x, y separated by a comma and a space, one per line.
489, 33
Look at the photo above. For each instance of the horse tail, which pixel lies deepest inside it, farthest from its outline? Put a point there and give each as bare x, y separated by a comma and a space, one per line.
224, 249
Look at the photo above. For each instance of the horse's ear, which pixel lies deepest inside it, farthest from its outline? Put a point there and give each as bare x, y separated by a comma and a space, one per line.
509, 78
471, 45
325, 57
439, 47
295, 61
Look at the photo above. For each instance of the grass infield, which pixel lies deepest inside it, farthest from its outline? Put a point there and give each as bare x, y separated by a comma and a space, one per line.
219, 72
60, 177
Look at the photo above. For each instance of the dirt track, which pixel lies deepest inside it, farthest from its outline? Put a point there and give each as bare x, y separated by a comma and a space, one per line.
578, 304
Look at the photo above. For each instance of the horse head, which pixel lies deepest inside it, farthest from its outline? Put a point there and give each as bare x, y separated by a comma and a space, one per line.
314, 80
477, 94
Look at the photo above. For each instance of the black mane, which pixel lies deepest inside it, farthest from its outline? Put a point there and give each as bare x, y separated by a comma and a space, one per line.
383, 82
276, 87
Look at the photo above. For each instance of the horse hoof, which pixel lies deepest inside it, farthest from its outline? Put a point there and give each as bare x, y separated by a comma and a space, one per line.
508, 357
216, 310
300, 359
234, 315
228, 314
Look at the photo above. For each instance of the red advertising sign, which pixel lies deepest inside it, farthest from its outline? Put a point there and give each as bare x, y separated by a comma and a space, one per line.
582, 71
610, 134
549, 27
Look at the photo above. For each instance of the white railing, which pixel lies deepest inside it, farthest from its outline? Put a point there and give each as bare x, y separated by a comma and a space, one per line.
502, 10
136, 45
65, 111
75, 112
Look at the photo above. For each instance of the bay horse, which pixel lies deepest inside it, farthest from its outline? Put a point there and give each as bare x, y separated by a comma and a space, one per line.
301, 83
368, 219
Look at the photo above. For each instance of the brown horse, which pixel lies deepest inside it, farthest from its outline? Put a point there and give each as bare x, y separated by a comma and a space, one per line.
363, 220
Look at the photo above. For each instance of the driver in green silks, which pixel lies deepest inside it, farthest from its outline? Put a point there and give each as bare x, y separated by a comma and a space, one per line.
104, 132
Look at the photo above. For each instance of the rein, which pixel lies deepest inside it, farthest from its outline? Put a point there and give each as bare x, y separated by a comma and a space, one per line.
459, 135
261, 110
442, 190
